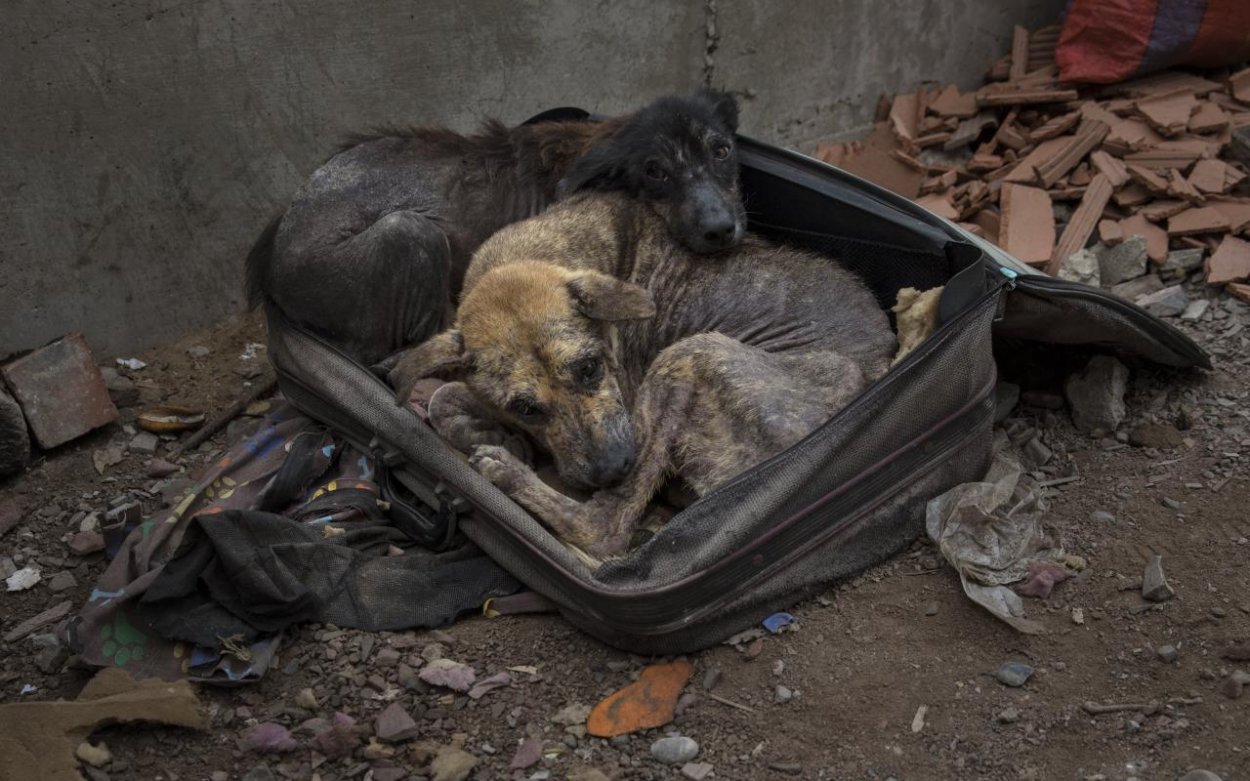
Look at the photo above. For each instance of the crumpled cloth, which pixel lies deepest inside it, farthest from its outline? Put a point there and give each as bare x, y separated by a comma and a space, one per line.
287, 526
991, 532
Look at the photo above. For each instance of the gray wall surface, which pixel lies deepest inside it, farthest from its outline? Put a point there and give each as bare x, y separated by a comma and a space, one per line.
144, 144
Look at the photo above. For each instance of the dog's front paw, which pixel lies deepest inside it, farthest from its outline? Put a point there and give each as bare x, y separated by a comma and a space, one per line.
500, 466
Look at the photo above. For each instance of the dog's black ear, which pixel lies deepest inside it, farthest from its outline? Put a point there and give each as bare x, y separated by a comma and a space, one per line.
600, 166
442, 355
602, 297
724, 105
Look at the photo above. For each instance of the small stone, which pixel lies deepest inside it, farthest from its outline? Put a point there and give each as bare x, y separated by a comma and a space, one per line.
394, 725
1232, 687
448, 674
452, 764
1008, 716
782, 695
674, 750
86, 543
1124, 261
1219, 612
1154, 586
1168, 302
1013, 674
572, 715
1078, 616
1167, 653
387, 657
96, 756
1096, 394
1156, 435
62, 581
159, 467
789, 768
1136, 288
268, 737
711, 678
433, 651
527, 754
1102, 516
219, 775
198, 351
50, 659
931, 608
1183, 261
407, 678
696, 771
1081, 266
306, 699
24, 578
1196, 309
145, 442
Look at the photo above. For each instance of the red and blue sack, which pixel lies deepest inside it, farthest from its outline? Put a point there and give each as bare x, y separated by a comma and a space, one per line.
1105, 41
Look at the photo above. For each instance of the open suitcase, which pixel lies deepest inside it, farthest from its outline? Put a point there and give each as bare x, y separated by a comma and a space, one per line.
849, 495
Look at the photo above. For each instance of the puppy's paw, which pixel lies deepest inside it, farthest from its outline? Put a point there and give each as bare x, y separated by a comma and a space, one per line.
466, 423
500, 467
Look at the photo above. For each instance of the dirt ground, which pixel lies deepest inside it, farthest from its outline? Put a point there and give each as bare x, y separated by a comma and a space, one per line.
867, 656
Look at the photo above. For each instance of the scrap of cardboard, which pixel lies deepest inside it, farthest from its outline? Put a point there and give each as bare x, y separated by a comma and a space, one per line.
37, 739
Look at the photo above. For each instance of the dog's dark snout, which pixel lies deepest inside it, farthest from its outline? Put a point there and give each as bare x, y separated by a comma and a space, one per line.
719, 229
615, 464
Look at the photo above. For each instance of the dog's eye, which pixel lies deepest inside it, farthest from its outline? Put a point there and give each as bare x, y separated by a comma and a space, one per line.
654, 171
526, 409
721, 152
589, 372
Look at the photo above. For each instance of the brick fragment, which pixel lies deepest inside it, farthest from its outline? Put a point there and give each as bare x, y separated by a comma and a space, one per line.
60, 390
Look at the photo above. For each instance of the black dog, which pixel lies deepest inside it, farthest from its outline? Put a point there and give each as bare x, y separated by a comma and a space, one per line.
373, 248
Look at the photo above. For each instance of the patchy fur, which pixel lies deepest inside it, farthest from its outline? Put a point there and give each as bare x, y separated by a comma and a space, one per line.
373, 249
696, 369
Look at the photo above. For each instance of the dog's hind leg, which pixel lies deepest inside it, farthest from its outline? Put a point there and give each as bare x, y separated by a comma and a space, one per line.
373, 293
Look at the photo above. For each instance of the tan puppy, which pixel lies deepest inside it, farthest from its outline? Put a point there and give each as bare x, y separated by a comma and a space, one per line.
631, 359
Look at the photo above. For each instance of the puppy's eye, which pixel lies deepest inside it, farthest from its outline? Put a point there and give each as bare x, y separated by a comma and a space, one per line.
526, 409
721, 152
654, 171
589, 372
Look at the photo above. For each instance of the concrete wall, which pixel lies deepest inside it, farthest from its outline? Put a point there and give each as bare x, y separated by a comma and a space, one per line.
145, 144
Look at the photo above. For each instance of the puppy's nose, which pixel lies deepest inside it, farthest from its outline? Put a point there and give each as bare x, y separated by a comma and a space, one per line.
615, 465
719, 230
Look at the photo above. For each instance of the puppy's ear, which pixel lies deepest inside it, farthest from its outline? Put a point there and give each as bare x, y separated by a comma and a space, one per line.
602, 297
724, 105
442, 355
600, 166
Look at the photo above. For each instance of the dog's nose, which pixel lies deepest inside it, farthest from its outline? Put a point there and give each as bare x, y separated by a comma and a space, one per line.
719, 230
615, 466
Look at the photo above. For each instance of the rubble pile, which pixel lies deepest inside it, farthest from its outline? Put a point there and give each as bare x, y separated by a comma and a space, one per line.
1136, 187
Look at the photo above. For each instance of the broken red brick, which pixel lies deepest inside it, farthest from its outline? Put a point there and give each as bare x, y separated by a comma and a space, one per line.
1168, 114
1156, 238
1229, 263
1191, 221
60, 390
1028, 223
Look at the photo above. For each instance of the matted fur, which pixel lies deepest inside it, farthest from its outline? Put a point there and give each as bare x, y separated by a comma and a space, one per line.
702, 369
